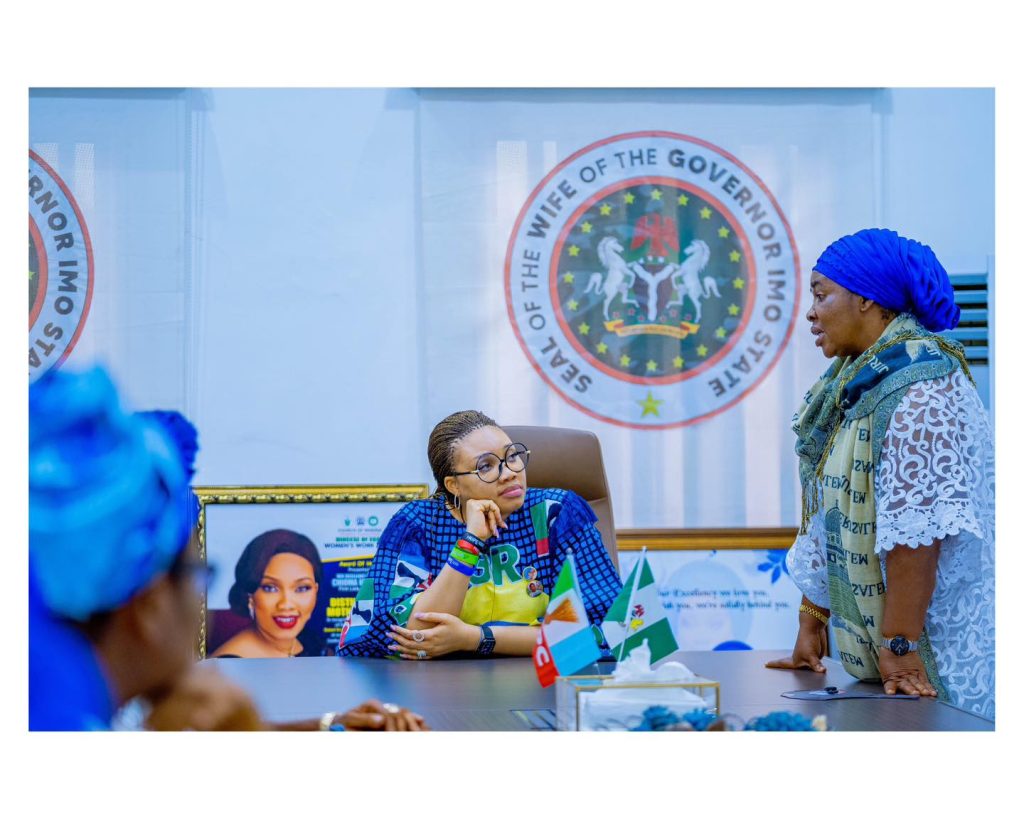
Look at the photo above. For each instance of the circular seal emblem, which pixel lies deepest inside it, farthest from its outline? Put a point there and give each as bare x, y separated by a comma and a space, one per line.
60, 269
652, 280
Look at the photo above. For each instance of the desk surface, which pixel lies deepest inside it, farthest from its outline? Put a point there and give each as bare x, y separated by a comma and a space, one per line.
474, 695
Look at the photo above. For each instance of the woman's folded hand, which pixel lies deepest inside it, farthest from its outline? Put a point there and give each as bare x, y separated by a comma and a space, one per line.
374, 715
447, 635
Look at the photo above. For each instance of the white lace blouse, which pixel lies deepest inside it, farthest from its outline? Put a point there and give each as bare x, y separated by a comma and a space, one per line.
935, 481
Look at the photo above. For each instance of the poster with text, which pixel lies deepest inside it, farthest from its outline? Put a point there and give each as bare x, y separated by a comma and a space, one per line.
726, 599
284, 576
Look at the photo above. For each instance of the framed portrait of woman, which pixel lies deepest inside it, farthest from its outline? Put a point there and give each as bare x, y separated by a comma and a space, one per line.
287, 563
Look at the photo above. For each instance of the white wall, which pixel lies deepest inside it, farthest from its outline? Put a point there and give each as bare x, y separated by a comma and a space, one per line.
305, 295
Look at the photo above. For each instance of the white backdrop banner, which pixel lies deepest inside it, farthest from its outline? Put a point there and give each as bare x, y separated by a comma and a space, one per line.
726, 599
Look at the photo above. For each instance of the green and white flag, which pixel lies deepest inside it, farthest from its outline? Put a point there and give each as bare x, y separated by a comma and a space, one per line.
637, 615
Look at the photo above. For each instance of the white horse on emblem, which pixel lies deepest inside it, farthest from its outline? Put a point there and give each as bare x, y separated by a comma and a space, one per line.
619, 278
686, 277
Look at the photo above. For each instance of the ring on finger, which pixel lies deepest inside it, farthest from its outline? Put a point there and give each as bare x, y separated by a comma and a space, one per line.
421, 655
417, 636
390, 707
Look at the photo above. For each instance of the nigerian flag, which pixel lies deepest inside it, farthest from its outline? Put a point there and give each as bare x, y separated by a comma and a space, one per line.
565, 642
637, 615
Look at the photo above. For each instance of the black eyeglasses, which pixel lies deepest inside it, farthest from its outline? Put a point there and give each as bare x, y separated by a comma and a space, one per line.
488, 465
198, 575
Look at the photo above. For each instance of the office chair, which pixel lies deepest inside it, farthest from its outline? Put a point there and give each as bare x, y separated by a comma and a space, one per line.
570, 459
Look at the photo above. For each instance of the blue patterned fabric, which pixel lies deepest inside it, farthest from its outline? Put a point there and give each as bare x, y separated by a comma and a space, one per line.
67, 689
900, 274
414, 546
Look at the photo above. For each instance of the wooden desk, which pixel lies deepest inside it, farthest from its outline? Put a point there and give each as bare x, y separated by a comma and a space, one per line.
482, 695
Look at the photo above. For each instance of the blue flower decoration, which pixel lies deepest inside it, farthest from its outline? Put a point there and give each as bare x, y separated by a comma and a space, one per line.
775, 563
780, 721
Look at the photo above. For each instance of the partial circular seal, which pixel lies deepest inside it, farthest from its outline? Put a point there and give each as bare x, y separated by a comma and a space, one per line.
60, 269
652, 280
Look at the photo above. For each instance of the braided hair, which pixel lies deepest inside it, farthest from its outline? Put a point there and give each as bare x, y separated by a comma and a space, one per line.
443, 440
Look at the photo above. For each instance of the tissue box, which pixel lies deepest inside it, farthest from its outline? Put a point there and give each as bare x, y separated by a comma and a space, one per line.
582, 705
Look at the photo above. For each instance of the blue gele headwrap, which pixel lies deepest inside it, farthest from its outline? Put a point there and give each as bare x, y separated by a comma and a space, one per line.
105, 490
897, 273
181, 431
186, 442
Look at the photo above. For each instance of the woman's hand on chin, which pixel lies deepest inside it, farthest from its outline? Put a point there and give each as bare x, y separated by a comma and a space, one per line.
448, 634
483, 517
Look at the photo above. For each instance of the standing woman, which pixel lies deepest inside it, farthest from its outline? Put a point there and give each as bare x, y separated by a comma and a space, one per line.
470, 569
896, 545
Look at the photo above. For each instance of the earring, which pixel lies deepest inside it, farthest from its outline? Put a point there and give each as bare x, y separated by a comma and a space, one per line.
458, 502
252, 611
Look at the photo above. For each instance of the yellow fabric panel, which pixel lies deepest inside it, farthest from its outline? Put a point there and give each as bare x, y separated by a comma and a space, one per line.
509, 603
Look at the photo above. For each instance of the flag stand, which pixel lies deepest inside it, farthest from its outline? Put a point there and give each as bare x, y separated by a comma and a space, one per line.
629, 603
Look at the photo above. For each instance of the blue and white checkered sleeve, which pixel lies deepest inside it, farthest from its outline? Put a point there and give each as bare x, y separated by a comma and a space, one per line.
576, 528
399, 572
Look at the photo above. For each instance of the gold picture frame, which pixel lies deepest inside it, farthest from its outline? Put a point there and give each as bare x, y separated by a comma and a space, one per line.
313, 497
681, 540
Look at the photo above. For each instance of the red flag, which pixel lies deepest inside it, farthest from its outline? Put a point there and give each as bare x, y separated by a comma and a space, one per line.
543, 661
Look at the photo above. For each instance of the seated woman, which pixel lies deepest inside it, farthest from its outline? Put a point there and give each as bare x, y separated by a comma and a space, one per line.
277, 580
470, 569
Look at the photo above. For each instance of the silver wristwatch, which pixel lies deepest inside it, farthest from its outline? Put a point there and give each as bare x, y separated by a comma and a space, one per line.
899, 645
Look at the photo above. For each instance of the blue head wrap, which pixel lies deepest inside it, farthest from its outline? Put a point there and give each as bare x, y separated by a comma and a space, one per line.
181, 431
186, 443
899, 274
105, 517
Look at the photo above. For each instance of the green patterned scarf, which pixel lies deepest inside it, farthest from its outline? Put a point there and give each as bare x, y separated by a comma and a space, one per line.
840, 429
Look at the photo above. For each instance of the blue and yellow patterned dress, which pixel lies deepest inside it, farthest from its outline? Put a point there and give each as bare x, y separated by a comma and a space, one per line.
514, 578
